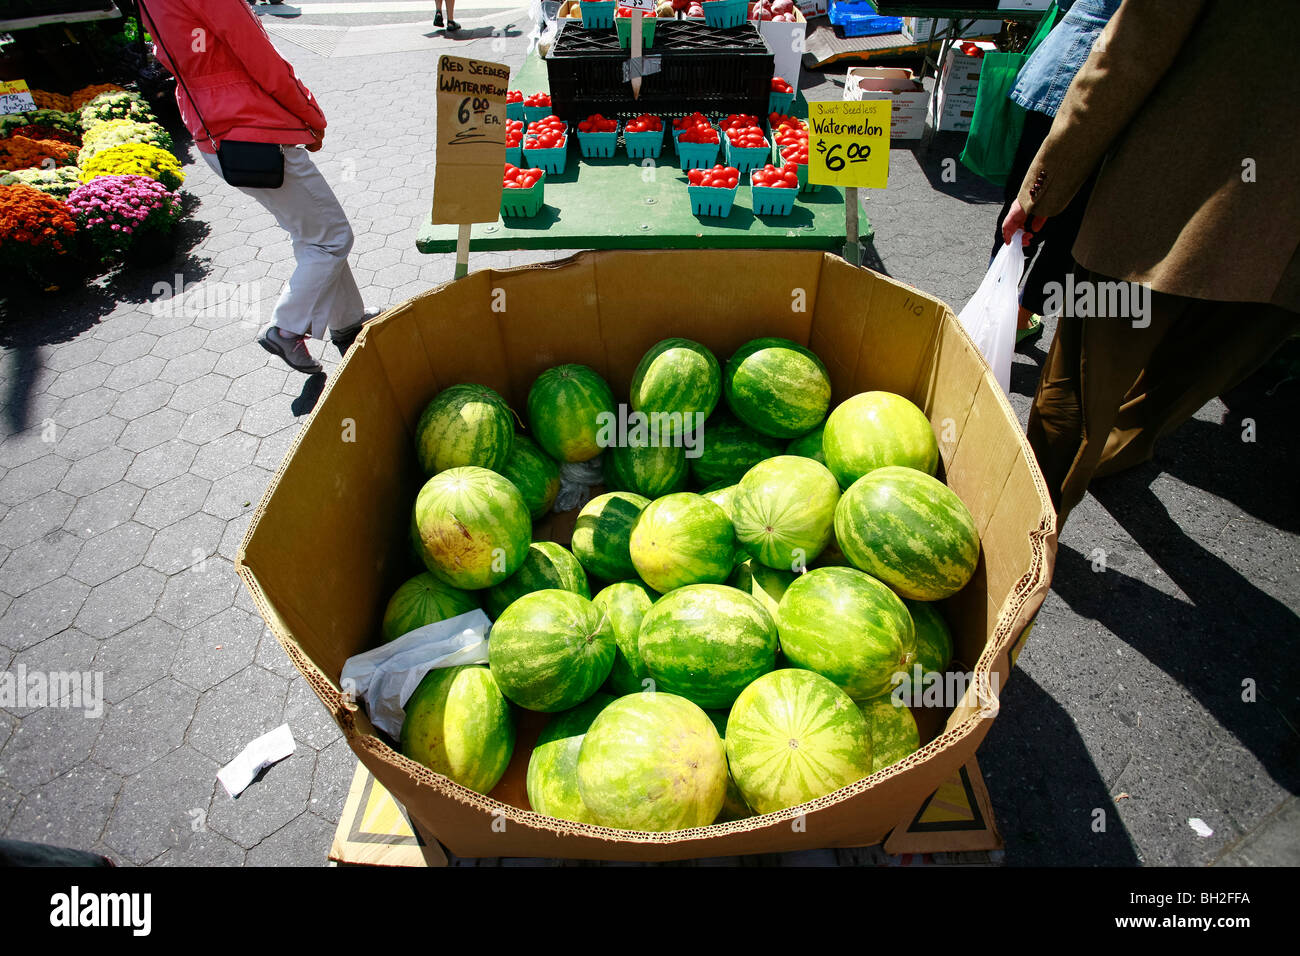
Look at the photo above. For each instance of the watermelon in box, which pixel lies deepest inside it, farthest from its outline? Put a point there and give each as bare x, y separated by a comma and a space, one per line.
547, 565
423, 600
783, 511
535, 473
875, 429
729, 448
777, 387
679, 381
552, 779
464, 425
471, 527
459, 724
626, 603
603, 532
682, 539
568, 408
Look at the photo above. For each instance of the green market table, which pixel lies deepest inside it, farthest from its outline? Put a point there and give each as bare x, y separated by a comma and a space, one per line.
619, 204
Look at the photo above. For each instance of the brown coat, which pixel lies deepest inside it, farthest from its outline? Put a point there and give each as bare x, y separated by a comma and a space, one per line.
1180, 97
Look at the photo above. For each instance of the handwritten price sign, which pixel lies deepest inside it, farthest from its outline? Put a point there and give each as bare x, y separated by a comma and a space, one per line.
849, 143
645, 6
15, 98
471, 140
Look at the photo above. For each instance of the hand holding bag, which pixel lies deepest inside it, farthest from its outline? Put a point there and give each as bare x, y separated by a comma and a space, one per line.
990, 316
244, 164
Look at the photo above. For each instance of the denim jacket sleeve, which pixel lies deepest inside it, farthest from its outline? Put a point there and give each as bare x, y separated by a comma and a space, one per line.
1048, 72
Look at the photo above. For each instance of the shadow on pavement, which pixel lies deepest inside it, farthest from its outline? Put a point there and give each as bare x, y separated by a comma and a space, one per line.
312, 388
1045, 786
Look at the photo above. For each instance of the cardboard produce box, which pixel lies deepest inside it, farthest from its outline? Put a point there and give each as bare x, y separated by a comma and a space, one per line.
329, 541
918, 28
909, 100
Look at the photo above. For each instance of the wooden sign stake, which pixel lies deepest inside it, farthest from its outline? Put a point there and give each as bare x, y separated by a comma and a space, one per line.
636, 53
462, 251
852, 247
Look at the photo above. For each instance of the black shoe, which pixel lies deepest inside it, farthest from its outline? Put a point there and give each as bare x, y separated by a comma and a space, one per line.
343, 338
453, 26
437, 19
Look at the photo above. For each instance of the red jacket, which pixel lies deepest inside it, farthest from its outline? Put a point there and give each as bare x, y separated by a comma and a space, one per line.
244, 89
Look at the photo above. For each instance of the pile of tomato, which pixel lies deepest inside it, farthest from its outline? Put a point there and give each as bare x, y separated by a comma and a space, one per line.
538, 99
746, 137
695, 128
719, 177
596, 123
738, 120
777, 120
517, 178
787, 177
781, 86
514, 132
514, 96
546, 133
792, 140
645, 123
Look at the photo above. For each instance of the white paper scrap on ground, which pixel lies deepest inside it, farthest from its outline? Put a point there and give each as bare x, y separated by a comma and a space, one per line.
261, 753
1199, 825
386, 677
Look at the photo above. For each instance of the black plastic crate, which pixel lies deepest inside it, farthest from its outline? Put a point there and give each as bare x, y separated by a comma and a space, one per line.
712, 70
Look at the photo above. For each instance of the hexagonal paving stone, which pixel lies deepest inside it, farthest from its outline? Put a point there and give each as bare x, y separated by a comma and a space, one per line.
193, 596
202, 848
39, 562
254, 386
178, 343
233, 495
210, 423
32, 479
159, 807
172, 501
84, 407
233, 337
90, 437
28, 445
221, 646
98, 471
185, 543
68, 654
200, 393
306, 714
270, 653
268, 416
335, 766
8, 722
135, 658
78, 380
152, 429
47, 743
38, 614
135, 373
126, 349
303, 841
116, 605
142, 399
70, 355
225, 455
241, 361
105, 509
161, 463
107, 555
233, 537
238, 710
278, 796
71, 810
188, 367
274, 448
145, 726
32, 519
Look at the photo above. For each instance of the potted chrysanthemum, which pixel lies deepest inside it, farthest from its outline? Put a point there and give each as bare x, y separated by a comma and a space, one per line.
37, 236
127, 217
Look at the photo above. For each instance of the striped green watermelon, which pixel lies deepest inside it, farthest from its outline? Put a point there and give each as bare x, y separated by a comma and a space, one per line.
567, 409
677, 378
652, 470
707, 642
547, 565
777, 387
910, 531
551, 650
783, 511
759, 581
793, 736
422, 600
848, 627
471, 527
809, 446
734, 806
626, 604
552, 779
875, 429
652, 762
459, 725
602, 532
933, 636
535, 473
720, 493
894, 734
728, 449
682, 539
465, 425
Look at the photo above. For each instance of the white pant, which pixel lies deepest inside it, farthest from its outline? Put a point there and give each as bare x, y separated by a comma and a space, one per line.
322, 293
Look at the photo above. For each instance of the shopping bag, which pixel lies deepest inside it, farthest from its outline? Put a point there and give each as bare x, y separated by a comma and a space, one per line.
999, 121
990, 316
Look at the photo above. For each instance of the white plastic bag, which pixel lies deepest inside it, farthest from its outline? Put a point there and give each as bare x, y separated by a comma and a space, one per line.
990, 316
386, 677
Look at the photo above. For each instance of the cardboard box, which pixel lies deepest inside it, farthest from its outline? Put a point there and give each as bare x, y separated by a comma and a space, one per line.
959, 82
910, 100
918, 28
813, 8
328, 543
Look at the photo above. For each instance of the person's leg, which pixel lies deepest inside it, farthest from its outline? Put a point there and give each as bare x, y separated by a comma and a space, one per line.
1214, 346
1037, 126
451, 16
437, 13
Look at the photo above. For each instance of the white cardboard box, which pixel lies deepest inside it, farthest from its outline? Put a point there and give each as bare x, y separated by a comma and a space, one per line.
909, 99
918, 28
813, 8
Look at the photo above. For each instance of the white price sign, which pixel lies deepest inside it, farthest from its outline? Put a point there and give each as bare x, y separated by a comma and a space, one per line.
643, 5
15, 98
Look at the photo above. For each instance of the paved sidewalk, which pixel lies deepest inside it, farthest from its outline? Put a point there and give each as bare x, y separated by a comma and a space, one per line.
141, 424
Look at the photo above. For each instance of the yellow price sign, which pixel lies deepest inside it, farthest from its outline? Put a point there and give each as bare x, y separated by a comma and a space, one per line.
15, 97
848, 143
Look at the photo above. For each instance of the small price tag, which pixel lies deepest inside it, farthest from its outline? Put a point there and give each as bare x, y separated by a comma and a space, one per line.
471, 140
848, 143
15, 97
645, 6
